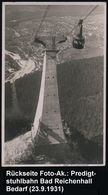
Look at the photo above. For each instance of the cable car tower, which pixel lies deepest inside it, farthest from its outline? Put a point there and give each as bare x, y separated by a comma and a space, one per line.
47, 127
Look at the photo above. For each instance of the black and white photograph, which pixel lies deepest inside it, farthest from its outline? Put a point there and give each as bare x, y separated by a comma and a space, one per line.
53, 83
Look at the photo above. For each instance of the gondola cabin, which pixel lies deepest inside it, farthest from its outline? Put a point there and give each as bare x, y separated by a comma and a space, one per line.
78, 42
78, 39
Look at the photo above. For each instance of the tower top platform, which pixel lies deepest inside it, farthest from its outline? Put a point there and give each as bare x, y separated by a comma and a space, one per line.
50, 42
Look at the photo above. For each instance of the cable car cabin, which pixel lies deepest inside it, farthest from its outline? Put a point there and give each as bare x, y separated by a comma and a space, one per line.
79, 40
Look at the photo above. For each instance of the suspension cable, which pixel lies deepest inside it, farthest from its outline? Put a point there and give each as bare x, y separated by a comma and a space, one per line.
90, 12
42, 20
